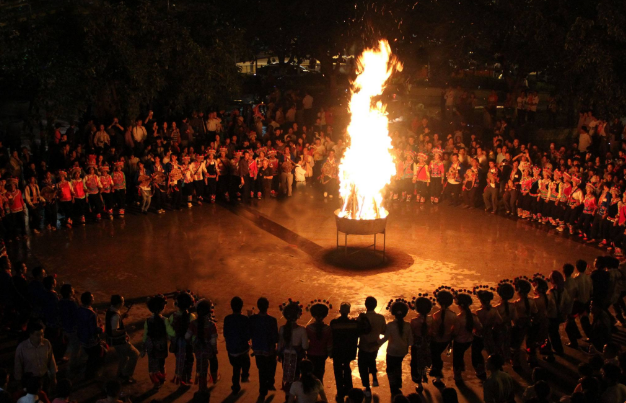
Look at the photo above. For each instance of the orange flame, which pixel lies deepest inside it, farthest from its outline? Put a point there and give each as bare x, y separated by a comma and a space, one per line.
367, 164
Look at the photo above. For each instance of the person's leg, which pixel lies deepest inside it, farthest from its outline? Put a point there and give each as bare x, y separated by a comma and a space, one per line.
319, 366
436, 349
236, 364
245, 367
262, 366
478, 362
394, 374
487, 199
347, 375
214, 368
458, 362
289, 183
364, 368
337, 369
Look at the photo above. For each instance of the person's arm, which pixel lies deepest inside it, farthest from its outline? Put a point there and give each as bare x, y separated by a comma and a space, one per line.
52, 365
322, 394
19, 364
305, 340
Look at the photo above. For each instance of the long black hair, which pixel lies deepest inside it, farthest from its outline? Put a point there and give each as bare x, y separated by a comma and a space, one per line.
156, 305
204, 310
445, 299
291, 312
184, 301
464, 301
399, 311
319, 311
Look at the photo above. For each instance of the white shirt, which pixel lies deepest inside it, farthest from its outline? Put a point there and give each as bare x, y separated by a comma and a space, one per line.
28, 398
212, 124
301, 397
139, 133
585, 287
299, 337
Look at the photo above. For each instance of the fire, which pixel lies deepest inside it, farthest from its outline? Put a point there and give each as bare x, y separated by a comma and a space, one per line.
367, 164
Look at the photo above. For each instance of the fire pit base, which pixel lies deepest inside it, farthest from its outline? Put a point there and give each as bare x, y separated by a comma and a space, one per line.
361, 227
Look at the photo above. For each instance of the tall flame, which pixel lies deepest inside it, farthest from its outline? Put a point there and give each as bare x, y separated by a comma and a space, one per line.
367, 164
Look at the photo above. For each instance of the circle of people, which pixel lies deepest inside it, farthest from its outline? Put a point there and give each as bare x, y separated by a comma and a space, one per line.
530, 313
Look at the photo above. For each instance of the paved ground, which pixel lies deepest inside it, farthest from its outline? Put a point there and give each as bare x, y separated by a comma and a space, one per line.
286, 248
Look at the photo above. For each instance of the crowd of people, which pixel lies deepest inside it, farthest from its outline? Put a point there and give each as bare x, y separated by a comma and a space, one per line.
59, 328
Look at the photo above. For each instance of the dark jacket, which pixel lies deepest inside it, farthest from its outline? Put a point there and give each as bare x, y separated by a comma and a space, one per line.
345, 338
237, 333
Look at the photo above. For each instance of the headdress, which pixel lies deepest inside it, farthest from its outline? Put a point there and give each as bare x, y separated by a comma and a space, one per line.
319, 307
444, 295
291, 310
211, 151
184, 300
540, 283
62, 173
522, 284
591, 186
398, 305
76, 169
576, 179
437, 151
224, 150
271, 153
506, 289
157, 303
463, 297
423, 303
536, 169
238, 154
484, 292
104, 168
567, 176
119, 164
199, 157
421, 156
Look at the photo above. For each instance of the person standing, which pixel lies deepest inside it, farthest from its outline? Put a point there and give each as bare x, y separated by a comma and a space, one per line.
88, 331
420, 350
237, 337
368, 344
345, 334
118, 338
155, 333
202, 335
264, 335
179, 322
139, 134
292, 343
34, 355
320, 338
119, 187
286, 173
34, 203
400, 337
443, 322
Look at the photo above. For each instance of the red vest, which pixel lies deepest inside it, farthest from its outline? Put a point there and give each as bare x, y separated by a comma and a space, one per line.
66, 191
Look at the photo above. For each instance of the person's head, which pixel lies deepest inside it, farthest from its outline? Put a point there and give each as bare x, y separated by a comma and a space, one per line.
557, 280
370, 303
539, 374
39, 273
344, 308
236, 304
113, 389
495, 362
157, 304
355, 395
32, 384
542, 389
35, 331
610, 374
581, 266
449, 395
49, 283
400, 399
86, 298
263, 304
204, 308
117, 301
568, 270
64, 388
610, 351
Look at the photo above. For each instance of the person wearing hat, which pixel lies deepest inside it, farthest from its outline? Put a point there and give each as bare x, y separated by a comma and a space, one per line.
292, 344
589, 208
155, 336
406, 176
489, 318
603, 205
561, 206
443, 323
320, 337
80, 196
544, 194
506, 311
345, 335
66, 198
491, 191
465, 325
211, 174
119, 187
421, 177
574, 206
437, 170
199, 172
50, 193
400, 336
223, 174
525, 309
93, 186
34, 202
106, 181
421, 326
555, 193
202, 334
609, 220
